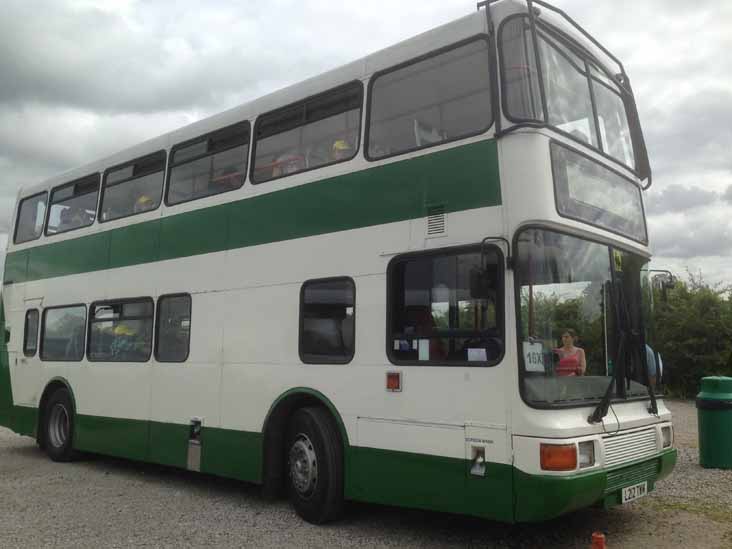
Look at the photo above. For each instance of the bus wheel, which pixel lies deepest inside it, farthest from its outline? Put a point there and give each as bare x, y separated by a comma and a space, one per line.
58, 426
315, 465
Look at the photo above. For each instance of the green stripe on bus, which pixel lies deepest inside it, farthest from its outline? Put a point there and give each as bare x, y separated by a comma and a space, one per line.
459, 179
224, 452
431, 482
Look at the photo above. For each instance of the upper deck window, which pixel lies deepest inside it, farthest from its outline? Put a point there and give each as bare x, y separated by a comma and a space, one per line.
133, 188
430, 101
569, 104
209, 165
31, 214
73, 205
579, 99
316, 132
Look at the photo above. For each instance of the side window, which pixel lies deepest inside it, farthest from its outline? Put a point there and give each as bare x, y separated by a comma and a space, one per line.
442, 98
133, 188
173, 334
63, 331
521, 94
321, 130
445, 307
73, 205
121, 331
31, 215
327, 320
30, 335
209, 165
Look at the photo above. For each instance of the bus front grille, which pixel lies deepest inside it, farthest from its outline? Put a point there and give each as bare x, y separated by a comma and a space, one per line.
626, 447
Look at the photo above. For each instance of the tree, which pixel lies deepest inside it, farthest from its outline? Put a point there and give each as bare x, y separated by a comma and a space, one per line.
693, 334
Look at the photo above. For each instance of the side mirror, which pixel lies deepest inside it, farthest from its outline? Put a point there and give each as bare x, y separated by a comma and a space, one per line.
7, 335
665, 281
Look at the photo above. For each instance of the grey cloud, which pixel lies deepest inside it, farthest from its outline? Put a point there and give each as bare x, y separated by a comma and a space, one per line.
698, 236
693, 136
102, 61
727, 195
677, 198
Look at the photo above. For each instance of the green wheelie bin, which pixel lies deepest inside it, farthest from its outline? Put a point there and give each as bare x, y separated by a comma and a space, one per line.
714, 410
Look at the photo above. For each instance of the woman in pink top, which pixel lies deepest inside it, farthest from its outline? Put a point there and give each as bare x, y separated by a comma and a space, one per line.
571, 359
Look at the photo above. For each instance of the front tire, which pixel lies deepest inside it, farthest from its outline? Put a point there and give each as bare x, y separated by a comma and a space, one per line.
315, 465
58, 426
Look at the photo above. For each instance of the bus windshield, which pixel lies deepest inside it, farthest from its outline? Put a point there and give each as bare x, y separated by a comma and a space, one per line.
580, 317
578, 97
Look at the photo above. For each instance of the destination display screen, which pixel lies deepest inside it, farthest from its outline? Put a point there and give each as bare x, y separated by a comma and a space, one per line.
589, 192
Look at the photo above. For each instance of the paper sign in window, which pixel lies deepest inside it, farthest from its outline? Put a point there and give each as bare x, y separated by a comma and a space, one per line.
477, 355
424, 349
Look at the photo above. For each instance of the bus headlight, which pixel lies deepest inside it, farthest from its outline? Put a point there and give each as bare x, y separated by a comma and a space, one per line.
586, 454
667, 436
558, 457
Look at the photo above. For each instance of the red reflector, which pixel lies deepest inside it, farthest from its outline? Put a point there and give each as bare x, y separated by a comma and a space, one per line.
393, 381
558, 457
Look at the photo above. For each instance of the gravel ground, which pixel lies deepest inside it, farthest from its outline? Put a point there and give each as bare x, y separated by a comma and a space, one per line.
105, 502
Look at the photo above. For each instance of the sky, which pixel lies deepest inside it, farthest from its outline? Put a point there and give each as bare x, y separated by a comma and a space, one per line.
82, 79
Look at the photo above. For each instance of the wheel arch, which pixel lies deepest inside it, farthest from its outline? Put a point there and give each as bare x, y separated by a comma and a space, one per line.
274, 428
53, 385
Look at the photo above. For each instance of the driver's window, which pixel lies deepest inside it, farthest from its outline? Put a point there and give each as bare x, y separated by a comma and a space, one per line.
444, 307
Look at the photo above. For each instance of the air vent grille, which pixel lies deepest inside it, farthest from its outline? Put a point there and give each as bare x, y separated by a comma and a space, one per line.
436, 220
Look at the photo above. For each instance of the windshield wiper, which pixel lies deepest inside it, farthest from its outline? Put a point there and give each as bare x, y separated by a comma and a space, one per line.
604, 405
623, 321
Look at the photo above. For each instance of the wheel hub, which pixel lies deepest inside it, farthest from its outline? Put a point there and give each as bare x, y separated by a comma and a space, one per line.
58, 425
303, 466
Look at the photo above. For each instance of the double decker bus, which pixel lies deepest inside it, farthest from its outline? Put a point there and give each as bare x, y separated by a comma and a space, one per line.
416, 280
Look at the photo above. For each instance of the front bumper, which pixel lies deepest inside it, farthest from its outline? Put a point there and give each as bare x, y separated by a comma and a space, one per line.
540, 497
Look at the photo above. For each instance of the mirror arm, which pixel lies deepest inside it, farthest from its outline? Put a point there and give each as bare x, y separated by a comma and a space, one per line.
509, 258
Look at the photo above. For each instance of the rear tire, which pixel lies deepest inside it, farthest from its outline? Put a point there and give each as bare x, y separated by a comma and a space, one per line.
314, 461
58, 426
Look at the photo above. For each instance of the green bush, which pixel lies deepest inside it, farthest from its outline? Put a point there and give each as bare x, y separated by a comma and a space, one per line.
693, 326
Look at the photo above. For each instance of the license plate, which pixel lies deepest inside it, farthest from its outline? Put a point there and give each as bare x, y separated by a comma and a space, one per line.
634, 492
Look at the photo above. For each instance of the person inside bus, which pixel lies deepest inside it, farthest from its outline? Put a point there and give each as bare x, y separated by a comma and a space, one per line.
424, 328
143, 204
572, 360
65, 222
341, 150
653, 365
287, 163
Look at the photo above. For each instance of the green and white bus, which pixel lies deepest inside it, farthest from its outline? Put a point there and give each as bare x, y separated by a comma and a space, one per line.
415, 280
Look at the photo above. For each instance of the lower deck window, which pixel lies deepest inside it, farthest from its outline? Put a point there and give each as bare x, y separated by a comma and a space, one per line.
327, 320
62, 336
173, 328
121, 331
30, 334
444, 307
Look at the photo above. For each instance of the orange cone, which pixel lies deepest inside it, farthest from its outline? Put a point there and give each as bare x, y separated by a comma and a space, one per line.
598, 541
